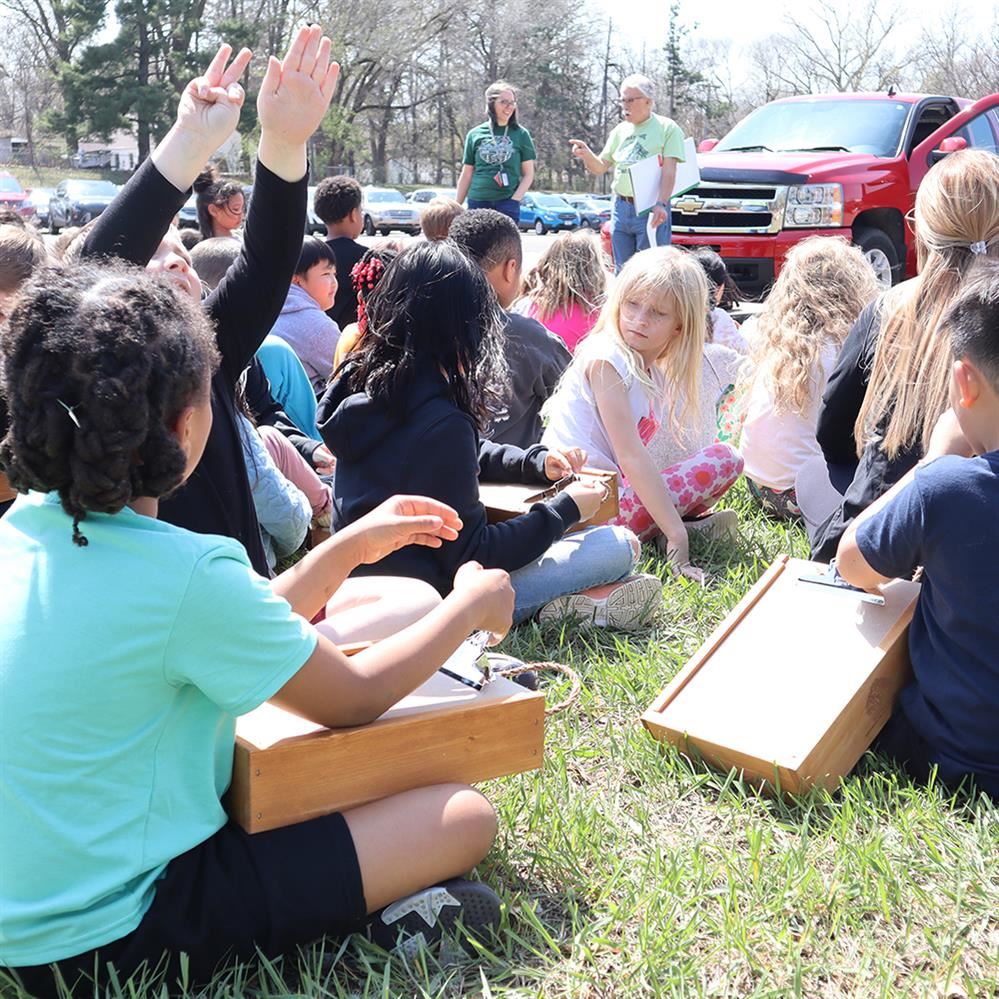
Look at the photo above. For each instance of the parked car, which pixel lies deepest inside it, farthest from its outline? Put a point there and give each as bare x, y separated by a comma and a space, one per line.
314, 225
592, 213
422, 197
38, 199
844, 165
547, 212
13, 196
76, 202
385, 209
187, 217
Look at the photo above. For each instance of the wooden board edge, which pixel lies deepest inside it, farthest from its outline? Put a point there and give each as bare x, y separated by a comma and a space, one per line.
529, 756
715, 639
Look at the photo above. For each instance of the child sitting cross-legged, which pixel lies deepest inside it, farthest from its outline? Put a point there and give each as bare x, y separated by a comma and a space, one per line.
406, 410
128, 646
942, 516
823, 286
639, 371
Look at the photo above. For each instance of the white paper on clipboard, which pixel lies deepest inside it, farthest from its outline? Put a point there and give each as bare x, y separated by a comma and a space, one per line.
645, 176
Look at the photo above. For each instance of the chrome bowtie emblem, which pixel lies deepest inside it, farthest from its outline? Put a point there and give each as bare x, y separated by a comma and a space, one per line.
688, 206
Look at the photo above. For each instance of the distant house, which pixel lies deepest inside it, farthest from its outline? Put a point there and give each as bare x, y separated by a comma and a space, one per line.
12, 148
119, 152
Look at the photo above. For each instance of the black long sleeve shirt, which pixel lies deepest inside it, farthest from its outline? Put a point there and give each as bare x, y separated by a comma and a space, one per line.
216, 499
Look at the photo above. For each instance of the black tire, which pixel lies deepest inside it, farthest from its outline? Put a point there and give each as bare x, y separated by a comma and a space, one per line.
384, 232
369, 226
53, 228
540, 228
882, 253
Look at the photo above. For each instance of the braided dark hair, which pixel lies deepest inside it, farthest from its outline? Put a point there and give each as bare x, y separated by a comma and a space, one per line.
365, 275
432, 310
95, 363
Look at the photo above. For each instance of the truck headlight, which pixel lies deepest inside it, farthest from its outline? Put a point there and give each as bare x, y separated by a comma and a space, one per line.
814, 205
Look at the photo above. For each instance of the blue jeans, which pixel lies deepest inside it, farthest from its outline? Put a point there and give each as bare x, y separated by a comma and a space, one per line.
628, 232
576, 562
508, 206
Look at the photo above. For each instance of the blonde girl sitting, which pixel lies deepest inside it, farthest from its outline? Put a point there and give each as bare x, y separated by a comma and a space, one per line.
639, 369
822, 288
566, 287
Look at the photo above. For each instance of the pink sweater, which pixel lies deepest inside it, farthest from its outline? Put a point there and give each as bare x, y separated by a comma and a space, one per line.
571, 326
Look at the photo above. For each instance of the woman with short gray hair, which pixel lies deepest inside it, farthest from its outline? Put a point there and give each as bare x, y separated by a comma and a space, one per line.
640, 135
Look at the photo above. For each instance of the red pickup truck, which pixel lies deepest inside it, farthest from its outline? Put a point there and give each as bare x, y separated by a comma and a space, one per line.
842, 164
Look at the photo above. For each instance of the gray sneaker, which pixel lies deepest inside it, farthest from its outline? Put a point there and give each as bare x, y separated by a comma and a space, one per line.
456, 908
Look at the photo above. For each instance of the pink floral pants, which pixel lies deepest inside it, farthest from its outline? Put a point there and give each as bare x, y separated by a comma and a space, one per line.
693, 484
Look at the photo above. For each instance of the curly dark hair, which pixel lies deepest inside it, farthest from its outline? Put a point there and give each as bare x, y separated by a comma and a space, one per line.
211, 189
95, 363
336, 198
432, 310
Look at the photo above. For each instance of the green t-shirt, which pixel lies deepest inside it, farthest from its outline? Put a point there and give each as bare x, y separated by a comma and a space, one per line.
501, 150
122, 668
630, 143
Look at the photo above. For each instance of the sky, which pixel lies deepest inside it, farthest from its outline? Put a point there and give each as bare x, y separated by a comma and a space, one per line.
747, 21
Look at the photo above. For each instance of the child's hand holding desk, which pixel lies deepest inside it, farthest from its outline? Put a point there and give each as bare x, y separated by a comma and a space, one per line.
333, 690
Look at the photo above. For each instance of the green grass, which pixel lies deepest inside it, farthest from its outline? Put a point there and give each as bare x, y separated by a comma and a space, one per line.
626, 870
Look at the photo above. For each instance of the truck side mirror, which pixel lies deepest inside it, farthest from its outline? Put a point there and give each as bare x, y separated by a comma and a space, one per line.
706, 145
951, 144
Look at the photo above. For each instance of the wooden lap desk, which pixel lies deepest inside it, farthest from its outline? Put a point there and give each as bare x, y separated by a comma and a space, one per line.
795, 683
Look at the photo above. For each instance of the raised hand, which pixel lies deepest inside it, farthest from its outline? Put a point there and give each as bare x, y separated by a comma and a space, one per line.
401, 521
207, 115
294, 96
210, 104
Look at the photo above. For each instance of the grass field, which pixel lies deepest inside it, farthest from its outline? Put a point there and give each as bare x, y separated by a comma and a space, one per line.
628, 871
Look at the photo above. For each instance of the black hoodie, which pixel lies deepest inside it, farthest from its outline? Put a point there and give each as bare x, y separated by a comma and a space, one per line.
431, 448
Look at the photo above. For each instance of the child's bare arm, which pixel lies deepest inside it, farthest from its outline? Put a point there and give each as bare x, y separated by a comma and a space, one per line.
335, 690
633, 459
947, 438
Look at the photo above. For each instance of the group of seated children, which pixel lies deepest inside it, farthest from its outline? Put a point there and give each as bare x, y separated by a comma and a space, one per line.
153, 432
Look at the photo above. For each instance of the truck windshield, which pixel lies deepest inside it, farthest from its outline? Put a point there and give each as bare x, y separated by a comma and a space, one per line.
857, 126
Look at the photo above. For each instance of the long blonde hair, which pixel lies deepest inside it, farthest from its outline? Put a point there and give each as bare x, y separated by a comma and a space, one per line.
660, 275
957, 205
822, 287
569, 273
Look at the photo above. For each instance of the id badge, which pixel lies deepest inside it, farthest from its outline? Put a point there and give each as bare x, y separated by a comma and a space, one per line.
501, 179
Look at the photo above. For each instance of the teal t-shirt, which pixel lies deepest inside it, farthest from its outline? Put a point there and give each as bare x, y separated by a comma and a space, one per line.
630, 143
501, 150
122, 668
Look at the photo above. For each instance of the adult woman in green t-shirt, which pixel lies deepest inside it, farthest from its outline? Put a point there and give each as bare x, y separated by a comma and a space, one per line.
498, 165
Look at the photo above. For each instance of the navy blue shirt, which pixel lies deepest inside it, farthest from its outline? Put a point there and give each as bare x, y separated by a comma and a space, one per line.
947, 521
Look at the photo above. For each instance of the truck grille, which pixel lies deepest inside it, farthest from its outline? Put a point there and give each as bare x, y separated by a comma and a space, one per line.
730, 208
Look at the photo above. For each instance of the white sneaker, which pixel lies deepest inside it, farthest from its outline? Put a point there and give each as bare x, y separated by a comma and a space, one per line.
626, 605
719, 525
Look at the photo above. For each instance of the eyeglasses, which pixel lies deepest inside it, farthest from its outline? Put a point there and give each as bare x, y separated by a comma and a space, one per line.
507, 104
630, 100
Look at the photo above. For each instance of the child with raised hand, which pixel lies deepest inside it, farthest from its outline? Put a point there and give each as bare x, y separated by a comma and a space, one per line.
942, 516
638, 370
565, 289
823, 286
406, 411
293, 98
114, 845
